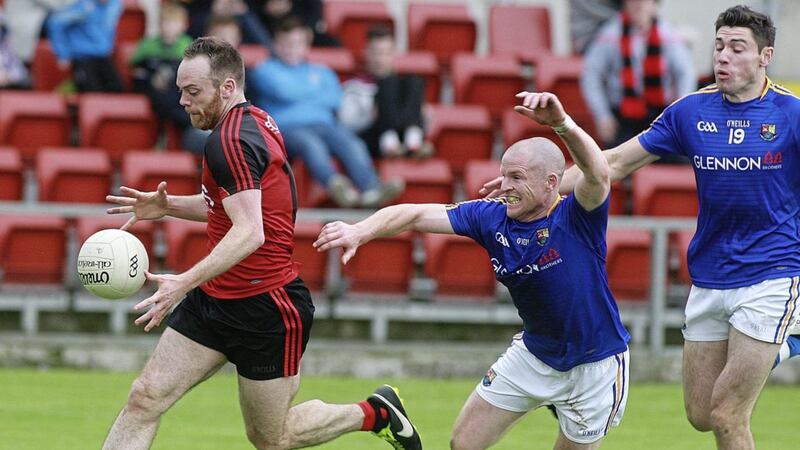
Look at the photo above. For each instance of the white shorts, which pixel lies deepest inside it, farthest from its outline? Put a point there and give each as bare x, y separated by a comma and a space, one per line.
588, 399
765, 311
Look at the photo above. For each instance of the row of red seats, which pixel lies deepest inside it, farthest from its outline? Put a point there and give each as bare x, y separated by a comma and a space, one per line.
490, 80
121, 122
84, 175
33, 250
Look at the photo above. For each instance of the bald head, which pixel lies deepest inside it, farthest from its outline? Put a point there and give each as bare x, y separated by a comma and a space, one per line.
538, 153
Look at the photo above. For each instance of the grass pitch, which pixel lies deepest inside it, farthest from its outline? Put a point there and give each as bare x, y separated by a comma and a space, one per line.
62, 409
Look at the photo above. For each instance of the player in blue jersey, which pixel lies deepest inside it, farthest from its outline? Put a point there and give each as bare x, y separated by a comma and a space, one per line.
550, 253
742, 137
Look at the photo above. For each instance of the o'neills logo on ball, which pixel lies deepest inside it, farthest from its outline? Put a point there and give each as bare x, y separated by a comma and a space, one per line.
94, 278
95, 264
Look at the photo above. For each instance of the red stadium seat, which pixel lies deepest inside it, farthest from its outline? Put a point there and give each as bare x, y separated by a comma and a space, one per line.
313, 264
143, 170
628, 263
79, 175
681, 242
561, 76
385, 265
253, 54
519, 31
45, 72
186, 242
116, 123
665, 190
143, 229
11, 180
444, 29
459, 266
29, 120
492, 81
428, 181
476, 173
619, 199
340, 60
132, 23
460, 133
122, 57
350, 20
423, 64
32, 248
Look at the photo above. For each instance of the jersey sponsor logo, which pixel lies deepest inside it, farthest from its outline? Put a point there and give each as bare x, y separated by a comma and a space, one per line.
738, 123
542, 234
501, 239
523, 241
770, 161
768, 132
706, 127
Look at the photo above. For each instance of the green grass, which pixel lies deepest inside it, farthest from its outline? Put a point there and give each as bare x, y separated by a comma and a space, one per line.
63, 409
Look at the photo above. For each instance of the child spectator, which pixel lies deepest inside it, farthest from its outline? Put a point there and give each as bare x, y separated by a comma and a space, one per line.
384, 107
155, 63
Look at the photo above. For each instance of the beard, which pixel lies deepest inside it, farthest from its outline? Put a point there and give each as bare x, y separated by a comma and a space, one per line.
207, 118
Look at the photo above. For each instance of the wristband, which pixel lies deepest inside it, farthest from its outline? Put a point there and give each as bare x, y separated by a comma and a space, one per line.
565, 126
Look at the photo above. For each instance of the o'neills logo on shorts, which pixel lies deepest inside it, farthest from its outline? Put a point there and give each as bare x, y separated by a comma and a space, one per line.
489, 377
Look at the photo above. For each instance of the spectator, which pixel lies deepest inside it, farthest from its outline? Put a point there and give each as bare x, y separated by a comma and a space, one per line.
384, 106
635, 67
586, 17
273, 12
252, 30
24, 23
226, 28
155, 63
13, 74
303, 98
82, 36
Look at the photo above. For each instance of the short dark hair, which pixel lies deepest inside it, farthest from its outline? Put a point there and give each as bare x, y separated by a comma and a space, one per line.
224, 60
760, 24
379, 31
290, 23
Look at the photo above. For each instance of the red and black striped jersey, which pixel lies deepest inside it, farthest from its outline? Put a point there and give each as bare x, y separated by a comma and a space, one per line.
245, 151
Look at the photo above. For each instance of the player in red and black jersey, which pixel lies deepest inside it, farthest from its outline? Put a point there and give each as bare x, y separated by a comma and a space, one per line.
244, 302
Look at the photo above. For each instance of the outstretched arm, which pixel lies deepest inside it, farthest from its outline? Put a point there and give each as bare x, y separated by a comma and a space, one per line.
592, 189
157, 204
389, 221
623, 160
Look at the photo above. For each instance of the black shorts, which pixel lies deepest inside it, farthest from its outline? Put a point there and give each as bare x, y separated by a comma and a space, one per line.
264, 335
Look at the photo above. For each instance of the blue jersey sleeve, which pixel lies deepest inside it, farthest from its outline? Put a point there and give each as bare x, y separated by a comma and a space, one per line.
661, 138
588, 226
471, 218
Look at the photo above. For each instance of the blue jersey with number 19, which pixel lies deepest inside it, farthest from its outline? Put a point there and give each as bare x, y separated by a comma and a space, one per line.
746, 159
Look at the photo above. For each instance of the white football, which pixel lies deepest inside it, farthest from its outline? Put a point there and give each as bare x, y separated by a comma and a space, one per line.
111, 264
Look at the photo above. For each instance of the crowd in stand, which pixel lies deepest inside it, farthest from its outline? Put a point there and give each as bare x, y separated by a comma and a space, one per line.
340, 128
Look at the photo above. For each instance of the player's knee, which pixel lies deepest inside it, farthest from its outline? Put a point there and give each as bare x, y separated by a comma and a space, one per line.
727, 420
699, 419
145, 398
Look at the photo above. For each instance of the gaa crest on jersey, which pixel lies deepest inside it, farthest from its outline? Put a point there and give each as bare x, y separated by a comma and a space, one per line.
489, 377
768, 132
542, 234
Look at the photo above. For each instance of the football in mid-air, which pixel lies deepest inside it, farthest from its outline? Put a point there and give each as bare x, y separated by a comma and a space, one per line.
112, 263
